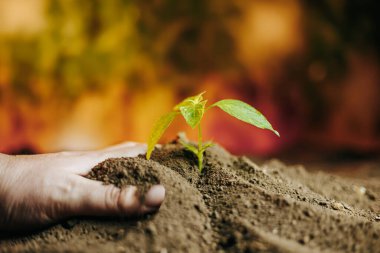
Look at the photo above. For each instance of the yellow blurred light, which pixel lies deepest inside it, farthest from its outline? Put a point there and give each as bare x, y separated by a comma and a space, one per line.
271, 29
22, 16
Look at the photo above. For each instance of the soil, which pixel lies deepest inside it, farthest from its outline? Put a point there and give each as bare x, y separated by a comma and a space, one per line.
233, 206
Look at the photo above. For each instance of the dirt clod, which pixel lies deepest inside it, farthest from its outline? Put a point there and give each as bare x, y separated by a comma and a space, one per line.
337, 206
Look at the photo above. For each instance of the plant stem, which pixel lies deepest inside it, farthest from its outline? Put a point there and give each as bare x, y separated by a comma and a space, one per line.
200, 151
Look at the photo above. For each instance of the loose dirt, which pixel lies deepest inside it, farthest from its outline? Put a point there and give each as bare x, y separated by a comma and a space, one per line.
234, 206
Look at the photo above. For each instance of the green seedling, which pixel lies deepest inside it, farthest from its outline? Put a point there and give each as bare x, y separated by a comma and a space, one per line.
193, 109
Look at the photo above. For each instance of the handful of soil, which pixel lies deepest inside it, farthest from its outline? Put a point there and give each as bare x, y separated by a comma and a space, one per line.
123, 172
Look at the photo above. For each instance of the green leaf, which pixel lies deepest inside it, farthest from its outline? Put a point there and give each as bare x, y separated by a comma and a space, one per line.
189, 147
193, 113
246, 113
192, 109
207, 145
158, 130
190, 100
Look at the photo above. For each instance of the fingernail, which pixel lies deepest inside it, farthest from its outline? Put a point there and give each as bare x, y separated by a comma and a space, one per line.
155, 196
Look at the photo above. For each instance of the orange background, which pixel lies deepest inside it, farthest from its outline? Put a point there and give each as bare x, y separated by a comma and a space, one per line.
87, 74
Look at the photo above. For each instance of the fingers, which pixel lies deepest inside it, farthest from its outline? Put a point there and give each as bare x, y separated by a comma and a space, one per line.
90, 197
123, 151
155, 196
123, 145
83, 163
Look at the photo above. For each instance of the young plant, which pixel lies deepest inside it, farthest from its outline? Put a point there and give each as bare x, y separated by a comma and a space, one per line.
193, 109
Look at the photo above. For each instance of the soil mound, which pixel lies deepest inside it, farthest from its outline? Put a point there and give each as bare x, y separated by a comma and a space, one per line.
234, 206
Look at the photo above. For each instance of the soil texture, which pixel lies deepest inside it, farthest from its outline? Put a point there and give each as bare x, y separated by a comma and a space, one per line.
233, 206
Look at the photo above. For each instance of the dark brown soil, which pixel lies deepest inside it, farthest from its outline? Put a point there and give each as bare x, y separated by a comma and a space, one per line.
123, 172
234, 206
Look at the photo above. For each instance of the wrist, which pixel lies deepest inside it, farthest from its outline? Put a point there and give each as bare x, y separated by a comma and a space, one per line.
4, 167
4, 164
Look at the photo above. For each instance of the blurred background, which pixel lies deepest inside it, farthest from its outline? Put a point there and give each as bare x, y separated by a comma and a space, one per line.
87, 74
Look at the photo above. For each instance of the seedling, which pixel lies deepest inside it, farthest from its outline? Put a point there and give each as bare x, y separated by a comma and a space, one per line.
193, 109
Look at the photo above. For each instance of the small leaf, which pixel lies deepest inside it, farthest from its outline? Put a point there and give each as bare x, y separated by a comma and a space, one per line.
193, 113
158, 130
189, 147
190, 100
207, 145
246, 113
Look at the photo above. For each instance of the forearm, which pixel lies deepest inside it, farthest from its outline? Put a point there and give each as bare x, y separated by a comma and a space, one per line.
4, 164
4, 167
5, 178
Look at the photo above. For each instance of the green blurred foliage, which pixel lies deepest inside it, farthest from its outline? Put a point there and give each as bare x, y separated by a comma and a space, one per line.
89, 44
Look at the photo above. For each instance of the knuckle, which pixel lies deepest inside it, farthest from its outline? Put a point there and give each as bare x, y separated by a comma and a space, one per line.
58, 195
127, 201
113, 194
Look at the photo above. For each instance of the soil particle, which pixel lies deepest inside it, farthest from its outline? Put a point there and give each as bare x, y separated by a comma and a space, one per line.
233, 206
337, 206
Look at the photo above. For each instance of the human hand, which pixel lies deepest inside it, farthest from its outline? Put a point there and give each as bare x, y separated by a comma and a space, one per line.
37, 190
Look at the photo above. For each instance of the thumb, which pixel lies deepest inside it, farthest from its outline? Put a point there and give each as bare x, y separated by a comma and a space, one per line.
89, 197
